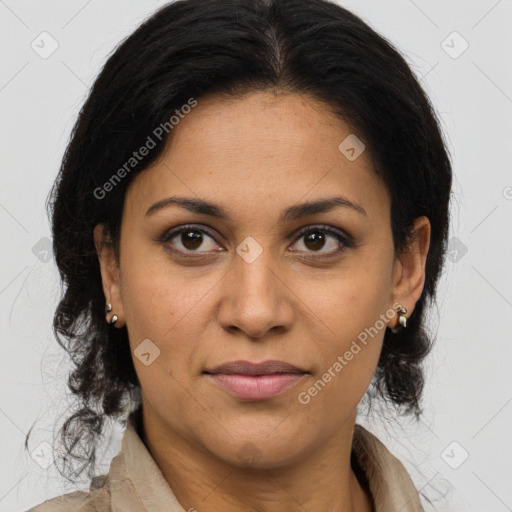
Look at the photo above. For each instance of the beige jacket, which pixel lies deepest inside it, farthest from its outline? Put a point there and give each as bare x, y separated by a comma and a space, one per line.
135, 483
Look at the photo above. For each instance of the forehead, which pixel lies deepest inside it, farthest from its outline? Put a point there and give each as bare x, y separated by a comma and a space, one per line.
261, 147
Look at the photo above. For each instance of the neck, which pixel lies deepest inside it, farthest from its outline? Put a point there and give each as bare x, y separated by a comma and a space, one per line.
324, 481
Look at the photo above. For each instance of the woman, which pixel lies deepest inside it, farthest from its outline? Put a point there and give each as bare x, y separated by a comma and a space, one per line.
250, 220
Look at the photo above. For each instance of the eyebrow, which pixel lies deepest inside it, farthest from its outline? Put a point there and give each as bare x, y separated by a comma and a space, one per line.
292, 213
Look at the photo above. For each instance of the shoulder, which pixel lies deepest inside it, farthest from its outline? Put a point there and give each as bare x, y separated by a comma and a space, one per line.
97, 499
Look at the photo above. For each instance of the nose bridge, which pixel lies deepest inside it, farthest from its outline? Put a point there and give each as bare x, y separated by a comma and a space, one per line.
257, 299
255, 271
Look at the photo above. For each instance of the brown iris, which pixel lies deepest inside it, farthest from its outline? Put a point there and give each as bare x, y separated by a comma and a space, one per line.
193, 238
315, 240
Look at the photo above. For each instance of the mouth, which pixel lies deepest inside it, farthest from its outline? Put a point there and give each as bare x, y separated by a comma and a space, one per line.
256, 381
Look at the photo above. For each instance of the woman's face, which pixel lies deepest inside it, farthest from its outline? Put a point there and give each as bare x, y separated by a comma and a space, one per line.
248, 286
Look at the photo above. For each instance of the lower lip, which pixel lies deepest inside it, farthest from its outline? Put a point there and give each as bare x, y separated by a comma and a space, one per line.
256, 387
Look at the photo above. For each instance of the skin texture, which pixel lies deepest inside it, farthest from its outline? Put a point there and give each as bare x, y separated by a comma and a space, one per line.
256, 156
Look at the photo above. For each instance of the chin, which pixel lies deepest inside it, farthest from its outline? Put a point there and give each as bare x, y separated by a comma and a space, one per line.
260, 451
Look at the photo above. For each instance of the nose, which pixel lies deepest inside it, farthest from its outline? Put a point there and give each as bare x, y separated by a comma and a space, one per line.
256, 298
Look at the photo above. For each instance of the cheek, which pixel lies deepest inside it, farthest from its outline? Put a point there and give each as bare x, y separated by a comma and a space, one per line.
165, 305
347, 370
154, 296
353, 311
157, 308
347, 301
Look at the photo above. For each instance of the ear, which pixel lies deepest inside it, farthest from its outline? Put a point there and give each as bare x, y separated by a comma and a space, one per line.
109, 273
409, 270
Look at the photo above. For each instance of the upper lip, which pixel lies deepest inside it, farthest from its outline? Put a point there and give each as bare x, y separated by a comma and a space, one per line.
265, 368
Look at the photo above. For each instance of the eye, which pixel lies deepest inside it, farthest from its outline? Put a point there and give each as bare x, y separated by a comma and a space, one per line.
187, 240
316, 238
190, 238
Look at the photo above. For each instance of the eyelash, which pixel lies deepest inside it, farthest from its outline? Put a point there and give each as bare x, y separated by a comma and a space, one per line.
344, 239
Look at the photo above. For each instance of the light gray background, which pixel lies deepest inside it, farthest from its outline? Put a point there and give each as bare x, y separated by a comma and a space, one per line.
469, 391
